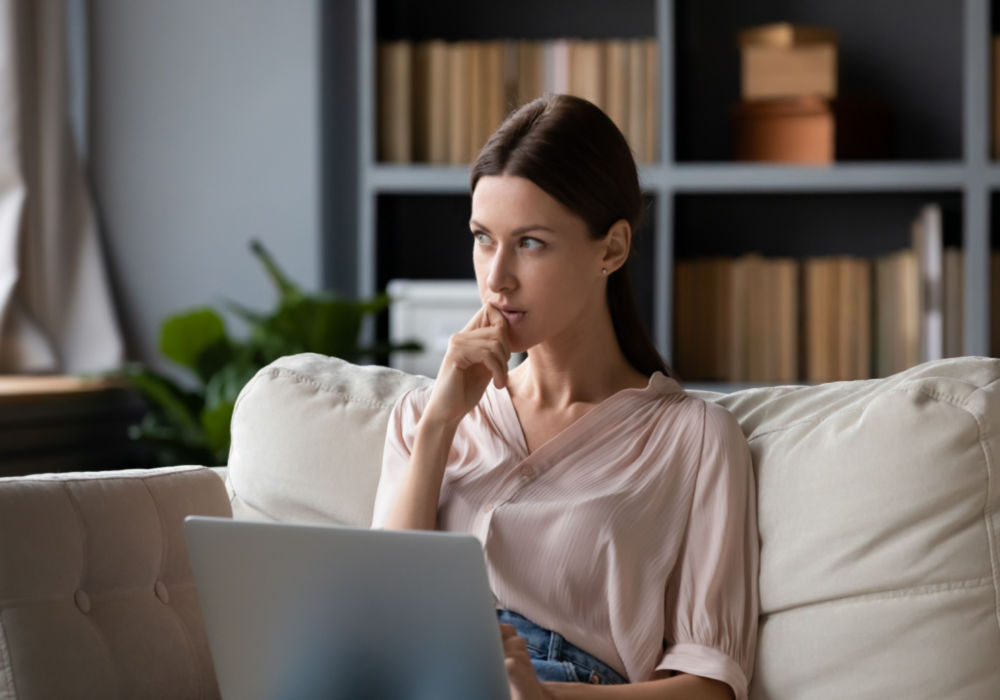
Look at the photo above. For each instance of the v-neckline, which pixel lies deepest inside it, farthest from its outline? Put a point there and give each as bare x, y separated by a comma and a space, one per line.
512, 423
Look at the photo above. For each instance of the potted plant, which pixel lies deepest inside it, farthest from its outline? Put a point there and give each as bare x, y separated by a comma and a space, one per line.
191, 425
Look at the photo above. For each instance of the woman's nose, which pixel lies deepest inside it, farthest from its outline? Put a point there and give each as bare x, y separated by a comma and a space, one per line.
501, 275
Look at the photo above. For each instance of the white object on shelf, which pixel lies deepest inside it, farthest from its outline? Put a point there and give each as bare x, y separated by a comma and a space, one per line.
429, 312
927, 240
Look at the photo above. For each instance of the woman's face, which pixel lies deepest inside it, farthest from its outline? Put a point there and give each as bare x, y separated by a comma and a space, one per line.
535, 260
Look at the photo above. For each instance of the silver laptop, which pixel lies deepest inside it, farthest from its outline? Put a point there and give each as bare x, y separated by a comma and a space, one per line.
302, 611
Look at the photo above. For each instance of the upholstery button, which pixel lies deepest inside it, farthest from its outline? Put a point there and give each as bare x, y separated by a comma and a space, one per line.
82, 601
161, 592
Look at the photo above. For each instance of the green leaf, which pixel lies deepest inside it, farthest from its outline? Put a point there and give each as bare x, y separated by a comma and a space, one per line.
216, 424
375, 305
220, 399
179, 405
285, 287
251, 317
184, 337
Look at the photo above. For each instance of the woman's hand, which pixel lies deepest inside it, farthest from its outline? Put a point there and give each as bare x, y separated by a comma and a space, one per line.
477, 353
524, 684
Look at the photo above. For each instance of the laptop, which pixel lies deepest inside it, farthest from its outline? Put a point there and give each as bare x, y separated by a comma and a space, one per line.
308, 611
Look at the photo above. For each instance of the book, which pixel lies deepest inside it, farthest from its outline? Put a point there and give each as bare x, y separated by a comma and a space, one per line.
460, 79
786, 276
651, 93
907, 279
556, 66
736, 334
821, 288
474, 107
587, 70
394, 114
494, 90
511, 60
635, 132
755, 308
617, 97
531, 71
953, 286
439, 97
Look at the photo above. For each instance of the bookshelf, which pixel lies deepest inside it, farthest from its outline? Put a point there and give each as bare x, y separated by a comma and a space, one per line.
940, 100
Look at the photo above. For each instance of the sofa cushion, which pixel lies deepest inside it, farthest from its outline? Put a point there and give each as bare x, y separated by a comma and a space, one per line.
307, 437
97, 598
880, 533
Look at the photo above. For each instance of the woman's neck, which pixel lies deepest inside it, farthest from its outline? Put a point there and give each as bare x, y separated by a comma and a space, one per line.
583, 365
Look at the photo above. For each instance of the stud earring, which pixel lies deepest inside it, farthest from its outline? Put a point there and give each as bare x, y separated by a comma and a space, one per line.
604, 270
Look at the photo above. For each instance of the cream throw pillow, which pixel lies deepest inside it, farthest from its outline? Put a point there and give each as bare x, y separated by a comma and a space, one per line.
880, 533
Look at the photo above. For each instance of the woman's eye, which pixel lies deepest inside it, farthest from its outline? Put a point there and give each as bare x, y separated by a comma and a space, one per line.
531, 243
480, 237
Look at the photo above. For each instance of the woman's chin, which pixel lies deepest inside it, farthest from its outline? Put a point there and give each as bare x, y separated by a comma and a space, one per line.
517, 345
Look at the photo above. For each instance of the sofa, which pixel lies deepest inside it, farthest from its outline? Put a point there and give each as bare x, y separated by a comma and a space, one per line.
877, 504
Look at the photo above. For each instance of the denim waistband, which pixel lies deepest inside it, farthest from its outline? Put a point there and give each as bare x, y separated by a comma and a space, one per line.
549, 645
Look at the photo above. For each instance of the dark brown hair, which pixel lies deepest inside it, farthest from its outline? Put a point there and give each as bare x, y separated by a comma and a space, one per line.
573, 151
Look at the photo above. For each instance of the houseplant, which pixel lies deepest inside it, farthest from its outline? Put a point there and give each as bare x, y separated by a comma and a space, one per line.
191, 425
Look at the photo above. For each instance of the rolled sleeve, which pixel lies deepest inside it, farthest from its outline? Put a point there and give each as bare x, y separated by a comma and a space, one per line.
399, 435
711, 602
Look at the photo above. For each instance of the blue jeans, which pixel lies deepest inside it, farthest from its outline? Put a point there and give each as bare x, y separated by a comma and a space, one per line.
555, 659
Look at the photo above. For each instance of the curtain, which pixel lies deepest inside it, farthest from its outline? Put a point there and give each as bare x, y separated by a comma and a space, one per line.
56, 310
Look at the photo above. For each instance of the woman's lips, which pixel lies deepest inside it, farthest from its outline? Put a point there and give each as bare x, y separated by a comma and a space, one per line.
513, 317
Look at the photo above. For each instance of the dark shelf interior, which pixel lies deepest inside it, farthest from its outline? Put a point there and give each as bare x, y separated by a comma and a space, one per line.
539, 19
905, 52
803, 225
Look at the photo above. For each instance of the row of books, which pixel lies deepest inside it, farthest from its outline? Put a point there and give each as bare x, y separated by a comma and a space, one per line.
438, 101
783, 320
818, 319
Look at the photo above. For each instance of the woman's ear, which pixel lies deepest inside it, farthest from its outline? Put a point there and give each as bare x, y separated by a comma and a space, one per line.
617, 244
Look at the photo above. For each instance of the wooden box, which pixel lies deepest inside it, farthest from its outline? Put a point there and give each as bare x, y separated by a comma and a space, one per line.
784, 60
811, 130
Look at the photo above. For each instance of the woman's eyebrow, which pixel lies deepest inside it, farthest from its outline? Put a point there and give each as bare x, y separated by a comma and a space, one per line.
515, 232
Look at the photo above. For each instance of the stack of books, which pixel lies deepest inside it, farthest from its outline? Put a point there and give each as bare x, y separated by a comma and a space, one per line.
438, 102
819, 319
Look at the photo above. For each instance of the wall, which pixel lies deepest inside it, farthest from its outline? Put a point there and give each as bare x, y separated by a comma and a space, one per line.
204, 133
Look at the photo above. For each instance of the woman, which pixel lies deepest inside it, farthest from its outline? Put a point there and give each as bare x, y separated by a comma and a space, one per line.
617, 513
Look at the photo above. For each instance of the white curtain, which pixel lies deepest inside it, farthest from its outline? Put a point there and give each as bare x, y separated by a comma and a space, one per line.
56, 310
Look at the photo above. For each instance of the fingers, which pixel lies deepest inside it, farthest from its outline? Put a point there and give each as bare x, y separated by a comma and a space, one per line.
487, 346
478, 319
513, 644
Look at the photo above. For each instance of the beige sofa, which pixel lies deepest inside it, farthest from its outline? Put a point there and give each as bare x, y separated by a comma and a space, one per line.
879, 514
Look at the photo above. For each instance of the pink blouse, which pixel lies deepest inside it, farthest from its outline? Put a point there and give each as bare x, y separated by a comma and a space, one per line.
632, 533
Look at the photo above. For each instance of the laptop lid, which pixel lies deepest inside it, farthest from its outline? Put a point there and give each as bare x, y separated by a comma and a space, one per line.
307, 611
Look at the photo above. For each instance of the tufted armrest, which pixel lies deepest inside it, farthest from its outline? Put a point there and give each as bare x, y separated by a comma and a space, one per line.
97, 598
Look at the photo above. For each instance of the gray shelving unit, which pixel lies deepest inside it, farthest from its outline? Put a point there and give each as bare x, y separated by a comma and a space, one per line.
973, 176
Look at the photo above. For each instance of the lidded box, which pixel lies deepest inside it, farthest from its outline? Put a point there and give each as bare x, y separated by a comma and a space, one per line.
787, 60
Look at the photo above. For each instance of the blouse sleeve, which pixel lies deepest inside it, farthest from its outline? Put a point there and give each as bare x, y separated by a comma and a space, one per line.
712, 598
399, 436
